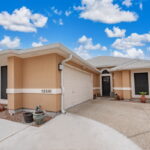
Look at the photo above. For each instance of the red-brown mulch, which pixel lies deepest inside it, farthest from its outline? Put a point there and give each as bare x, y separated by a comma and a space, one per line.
18, 117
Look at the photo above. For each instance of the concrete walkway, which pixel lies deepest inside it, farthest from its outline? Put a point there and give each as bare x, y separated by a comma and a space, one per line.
130, 119
9, 128
68, 132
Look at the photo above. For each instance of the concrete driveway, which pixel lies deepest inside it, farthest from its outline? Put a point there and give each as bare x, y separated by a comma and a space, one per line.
68, 132
130, 119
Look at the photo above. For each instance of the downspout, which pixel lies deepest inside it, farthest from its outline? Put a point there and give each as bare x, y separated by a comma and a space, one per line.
61, 67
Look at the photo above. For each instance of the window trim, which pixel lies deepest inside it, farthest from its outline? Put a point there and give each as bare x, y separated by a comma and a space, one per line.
133, 83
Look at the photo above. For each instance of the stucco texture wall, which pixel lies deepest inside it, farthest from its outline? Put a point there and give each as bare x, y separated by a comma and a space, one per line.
37, 73
122, 81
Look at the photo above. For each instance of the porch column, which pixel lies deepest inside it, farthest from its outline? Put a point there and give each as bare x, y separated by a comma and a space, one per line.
126, 84
117, 83
14, 82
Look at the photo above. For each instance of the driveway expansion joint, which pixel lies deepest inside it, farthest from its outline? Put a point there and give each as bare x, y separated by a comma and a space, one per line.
138, 134
9, 136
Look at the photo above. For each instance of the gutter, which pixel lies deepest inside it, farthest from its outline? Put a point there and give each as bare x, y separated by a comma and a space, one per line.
61, 67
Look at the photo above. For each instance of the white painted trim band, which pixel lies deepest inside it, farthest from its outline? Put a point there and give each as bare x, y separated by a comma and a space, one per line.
34, 91
122, 88
4, 101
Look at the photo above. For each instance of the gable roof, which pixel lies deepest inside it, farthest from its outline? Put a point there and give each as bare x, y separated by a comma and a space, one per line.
108, 61
47, 49
134, 64
119, 63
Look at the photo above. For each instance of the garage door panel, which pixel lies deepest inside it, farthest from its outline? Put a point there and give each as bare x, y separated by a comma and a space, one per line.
78, 87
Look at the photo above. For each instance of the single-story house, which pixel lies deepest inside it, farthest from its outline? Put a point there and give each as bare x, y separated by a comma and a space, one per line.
124, 76
50, 76
56, 78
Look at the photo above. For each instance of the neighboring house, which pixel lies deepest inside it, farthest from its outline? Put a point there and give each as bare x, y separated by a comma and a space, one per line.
124, 76
51, 76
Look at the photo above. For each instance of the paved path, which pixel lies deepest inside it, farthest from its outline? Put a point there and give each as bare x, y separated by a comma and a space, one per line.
68, 132
9, 128
130, 119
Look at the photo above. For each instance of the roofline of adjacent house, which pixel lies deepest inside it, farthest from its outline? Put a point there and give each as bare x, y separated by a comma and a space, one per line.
22, 52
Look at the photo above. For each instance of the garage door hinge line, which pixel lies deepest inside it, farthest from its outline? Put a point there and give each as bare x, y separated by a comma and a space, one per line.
61, 67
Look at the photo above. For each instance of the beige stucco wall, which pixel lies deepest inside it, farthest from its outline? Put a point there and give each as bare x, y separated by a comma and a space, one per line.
15, 81
96, 83
126, 83
122, 80
117, 82
37, 73
117, 79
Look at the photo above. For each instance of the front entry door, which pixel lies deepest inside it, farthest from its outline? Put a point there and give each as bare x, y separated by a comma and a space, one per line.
106, 85
3, 82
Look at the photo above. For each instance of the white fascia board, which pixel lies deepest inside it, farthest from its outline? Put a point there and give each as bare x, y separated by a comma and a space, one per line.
34, 91
49, 48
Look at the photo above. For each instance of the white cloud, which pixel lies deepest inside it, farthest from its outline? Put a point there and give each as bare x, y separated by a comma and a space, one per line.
131, 53
7, 42
84, 54
56, 11
54, 21
60, 21
105, 11
141, 6
42, 39
127, 3
22, 20
134, 40
37, 44
40, 43
115, 32
87, 44
148, 48
68, 13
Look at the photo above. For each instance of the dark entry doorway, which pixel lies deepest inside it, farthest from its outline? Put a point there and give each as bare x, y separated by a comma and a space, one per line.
3, 82
106, 86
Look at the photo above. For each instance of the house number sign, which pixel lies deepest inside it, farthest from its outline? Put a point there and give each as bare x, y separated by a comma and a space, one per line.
46, 91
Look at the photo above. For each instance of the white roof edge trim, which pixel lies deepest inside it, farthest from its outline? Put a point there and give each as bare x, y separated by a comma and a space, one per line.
78, 57
46, 47
134, 68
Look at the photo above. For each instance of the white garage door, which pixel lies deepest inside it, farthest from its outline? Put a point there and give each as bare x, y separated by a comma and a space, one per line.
78, 87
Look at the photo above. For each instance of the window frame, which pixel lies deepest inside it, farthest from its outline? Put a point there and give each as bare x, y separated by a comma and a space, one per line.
133, 84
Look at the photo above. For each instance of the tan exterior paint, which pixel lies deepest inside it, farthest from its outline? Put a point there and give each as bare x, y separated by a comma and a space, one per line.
37, 73
117, 79
96, 83
126, 82
117, 82
15, 81
122, 79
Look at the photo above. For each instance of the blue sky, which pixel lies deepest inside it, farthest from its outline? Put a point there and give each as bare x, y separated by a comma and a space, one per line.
88, 27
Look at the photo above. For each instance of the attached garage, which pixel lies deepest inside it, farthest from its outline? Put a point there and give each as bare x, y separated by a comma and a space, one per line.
78, 86
65, 80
